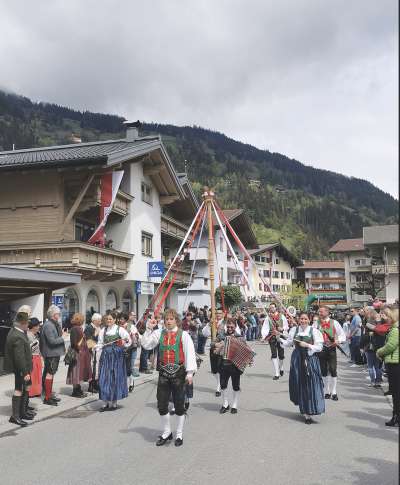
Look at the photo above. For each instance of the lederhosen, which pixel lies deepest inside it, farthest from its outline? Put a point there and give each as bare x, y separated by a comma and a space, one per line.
327, 357
215, 359
229, 370
172, 373
277, 349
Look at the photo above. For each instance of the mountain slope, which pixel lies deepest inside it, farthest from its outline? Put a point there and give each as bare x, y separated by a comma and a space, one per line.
308, 209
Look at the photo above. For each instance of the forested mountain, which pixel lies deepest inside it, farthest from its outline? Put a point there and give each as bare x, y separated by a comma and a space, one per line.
308, 209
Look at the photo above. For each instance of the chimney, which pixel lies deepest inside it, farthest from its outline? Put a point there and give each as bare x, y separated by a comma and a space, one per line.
75, 138
132, 130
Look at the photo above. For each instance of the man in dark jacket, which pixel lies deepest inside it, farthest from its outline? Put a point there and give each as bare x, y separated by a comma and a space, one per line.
18, 359
52, 347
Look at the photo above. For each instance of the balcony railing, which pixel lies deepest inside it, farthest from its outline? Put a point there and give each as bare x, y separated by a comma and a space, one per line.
122, 203
93, 262
182, 274
385, 269
327, 280
172, 227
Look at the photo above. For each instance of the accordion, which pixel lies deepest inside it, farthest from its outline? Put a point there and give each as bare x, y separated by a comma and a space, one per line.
238, 352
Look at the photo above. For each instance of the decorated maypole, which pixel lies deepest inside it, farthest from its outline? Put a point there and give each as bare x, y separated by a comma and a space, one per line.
208, 197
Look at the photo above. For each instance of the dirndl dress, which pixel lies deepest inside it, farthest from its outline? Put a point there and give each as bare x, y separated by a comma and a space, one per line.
36, 376
306, 388
112, 372
81, 371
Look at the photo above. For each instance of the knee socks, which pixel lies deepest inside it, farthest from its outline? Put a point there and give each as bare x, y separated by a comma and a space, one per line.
166, 422
281, 364
275, 363
179, 426
326, 384
235, 399
333, 384
48, 386
218, 382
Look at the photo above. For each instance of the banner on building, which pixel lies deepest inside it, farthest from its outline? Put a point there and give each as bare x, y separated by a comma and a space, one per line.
109, 186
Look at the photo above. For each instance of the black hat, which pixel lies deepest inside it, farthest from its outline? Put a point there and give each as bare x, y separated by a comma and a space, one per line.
34, 322
22, 317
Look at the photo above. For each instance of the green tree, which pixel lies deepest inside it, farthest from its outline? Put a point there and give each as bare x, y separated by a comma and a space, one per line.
232, 296
295, 296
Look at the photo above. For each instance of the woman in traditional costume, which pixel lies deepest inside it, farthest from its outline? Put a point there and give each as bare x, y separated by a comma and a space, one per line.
112, 371
306, 388
36, 374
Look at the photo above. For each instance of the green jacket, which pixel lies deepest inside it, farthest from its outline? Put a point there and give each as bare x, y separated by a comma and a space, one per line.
390, 351
17, 353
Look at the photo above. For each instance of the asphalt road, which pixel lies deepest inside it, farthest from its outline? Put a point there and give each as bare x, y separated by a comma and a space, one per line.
265, 443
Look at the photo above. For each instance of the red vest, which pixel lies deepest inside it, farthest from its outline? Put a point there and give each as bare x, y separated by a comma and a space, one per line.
168, 339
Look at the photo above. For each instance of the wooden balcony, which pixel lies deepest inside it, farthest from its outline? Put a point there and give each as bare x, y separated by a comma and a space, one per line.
172, 227
327, 280
385, 269
73, 256
122, 203
182, 274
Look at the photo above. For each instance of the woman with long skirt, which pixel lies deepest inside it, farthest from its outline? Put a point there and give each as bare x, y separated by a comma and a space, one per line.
36, 374
112, 371
306, 388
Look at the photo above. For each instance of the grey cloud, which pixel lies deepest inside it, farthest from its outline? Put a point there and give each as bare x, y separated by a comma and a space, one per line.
316, 80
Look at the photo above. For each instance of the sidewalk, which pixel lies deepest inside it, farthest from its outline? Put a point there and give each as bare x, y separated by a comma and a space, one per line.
60, 388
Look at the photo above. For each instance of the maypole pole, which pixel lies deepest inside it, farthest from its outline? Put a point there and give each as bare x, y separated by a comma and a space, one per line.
208, 197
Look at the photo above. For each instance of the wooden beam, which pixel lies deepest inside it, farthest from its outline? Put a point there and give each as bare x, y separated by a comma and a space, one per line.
76, 204
152, 169
168, 199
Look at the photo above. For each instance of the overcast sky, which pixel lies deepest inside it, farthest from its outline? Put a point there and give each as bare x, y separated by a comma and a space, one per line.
316, 80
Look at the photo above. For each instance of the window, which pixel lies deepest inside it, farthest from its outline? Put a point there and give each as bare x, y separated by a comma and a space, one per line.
221, 244
282, 275
276, 274
265, 288
258, 259
275, 287
92, 304
111, 300
263, 259
357, 262
146, 193
205, 280
83, 230
147, 244
268, 259
314, 274
288, 276
260, 286
325, 274
276, 260
266, 273
360, 278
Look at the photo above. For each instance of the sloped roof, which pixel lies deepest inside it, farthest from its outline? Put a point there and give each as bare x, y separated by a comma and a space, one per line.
241, 225
347, 246
322, 265
281, 249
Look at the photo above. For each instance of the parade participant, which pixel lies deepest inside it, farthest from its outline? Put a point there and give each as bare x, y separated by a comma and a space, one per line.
274, 325
333, 335
306, 388
390, 353
18, 359
79, 370
228, 368
92, 331
112, 371
36, 374
215, 360
131, 351
371, 341
177, 364
52, 347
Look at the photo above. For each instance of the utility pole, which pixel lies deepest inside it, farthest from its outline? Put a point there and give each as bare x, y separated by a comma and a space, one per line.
208, 196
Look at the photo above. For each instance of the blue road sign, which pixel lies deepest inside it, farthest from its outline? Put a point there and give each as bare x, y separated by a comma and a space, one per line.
155, 269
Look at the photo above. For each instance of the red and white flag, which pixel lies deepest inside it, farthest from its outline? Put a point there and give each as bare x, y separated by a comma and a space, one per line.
109, 185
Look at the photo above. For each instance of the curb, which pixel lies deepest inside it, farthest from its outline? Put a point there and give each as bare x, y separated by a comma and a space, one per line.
12, 428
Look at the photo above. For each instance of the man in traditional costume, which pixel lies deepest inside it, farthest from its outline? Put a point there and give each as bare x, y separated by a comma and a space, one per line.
215, 359
333, 335
235, 355
275, 324
306, 388
177, 364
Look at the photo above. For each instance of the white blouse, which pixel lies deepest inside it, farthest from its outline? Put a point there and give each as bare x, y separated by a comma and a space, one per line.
317, 337
114, 330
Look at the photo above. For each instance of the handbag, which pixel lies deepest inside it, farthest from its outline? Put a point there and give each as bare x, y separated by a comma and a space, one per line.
70, 357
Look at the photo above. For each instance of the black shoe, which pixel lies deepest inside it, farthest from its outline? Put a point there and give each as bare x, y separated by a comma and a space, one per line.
50, 402
308, 421
394, 422
55, 398
335, 397
113, 408
187, 404
281, 373
78, 394
387, 393
223, 410
130, 388
161, 441
104, 408
28, 417
377, 386
31, 408
327, 396
275, 378
178, 442
217, 393
18, 421
233, 411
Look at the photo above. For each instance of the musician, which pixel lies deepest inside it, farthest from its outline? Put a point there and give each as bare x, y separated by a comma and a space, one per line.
274, 325
112, 371
215, 360
228, 370
333, 335
177, 364
306, 388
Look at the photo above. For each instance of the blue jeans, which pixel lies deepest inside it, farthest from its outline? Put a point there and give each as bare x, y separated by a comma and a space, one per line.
144, 355
355, 348
134, 371
201, 343
254, 333
374, 367
248, 333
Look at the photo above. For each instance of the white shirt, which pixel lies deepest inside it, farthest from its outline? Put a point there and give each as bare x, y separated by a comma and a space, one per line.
151, 338
340, 335
317, 338
267, 325
114, 330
